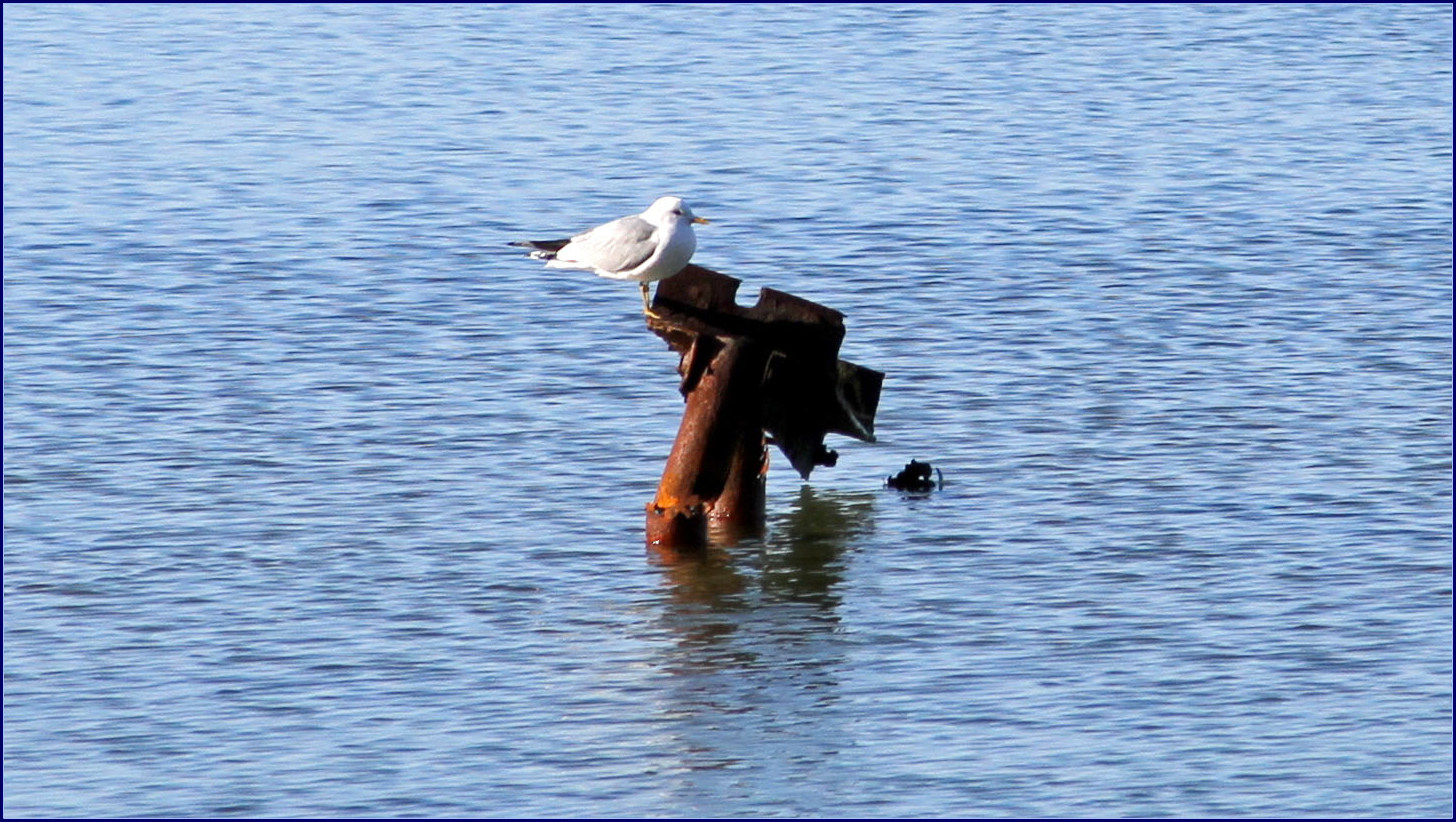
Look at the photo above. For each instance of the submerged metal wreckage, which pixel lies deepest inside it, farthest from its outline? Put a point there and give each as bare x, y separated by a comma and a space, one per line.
767, 373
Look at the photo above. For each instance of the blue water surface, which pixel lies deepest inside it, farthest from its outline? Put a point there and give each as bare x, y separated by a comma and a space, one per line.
322, 501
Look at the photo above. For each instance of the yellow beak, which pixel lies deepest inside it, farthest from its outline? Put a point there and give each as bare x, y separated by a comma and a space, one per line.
700, 220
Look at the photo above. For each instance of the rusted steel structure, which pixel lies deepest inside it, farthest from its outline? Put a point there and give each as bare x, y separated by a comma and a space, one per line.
767, 373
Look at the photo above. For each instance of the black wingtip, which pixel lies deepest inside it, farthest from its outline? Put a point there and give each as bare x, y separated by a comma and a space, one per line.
542, 245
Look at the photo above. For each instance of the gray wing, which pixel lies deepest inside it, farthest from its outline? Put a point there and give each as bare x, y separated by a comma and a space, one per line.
620, 245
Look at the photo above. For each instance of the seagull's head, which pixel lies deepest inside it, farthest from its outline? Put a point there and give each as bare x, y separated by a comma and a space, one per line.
670, 209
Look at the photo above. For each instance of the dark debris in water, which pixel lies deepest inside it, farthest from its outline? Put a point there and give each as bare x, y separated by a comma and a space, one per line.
917, 477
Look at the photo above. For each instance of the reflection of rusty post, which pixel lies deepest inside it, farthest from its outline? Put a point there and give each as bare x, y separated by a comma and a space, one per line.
771, 367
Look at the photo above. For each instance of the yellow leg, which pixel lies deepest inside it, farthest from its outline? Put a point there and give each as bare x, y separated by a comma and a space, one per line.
646, 306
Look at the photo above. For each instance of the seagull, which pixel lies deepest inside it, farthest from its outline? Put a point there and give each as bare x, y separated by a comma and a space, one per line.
644, 248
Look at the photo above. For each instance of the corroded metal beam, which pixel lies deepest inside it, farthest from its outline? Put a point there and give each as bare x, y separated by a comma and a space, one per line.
771, 367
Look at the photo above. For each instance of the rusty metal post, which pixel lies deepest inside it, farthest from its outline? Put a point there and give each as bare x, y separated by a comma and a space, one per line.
739, 510
721, 381
770, 368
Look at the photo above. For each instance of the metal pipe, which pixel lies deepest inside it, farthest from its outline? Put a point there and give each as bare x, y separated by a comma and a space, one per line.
716, 464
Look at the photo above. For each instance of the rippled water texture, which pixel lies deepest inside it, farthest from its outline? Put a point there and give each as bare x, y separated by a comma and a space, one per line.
321, 501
